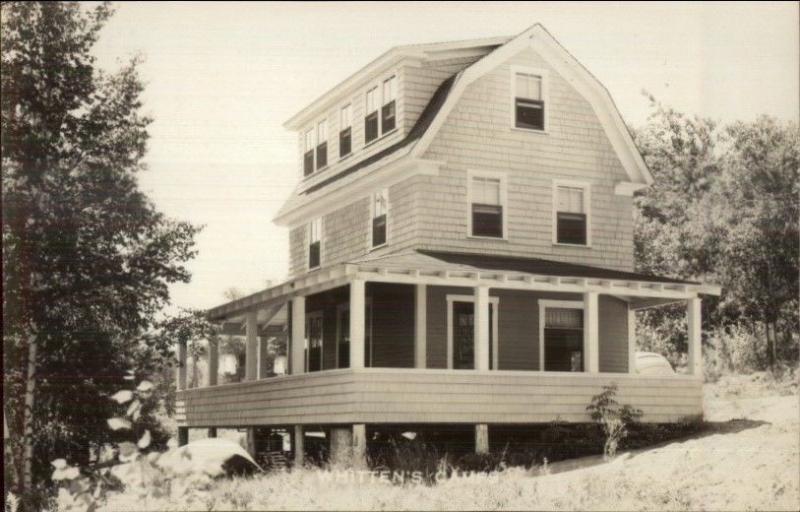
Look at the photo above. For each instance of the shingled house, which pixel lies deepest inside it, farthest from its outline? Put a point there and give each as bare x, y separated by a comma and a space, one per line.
461, 247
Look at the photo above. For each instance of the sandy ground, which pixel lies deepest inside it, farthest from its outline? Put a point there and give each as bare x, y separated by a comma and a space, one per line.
750, 460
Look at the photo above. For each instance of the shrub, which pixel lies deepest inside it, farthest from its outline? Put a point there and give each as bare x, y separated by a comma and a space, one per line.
613, 418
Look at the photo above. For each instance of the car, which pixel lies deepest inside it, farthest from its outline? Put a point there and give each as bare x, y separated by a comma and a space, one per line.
650, 363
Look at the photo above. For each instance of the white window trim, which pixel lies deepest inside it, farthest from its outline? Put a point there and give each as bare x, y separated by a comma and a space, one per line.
379, 95
543, 305
503, 201
314, 126
587, 203
313, 314
545, 97
346, 307
309, 268
339, 130
495, 301
371, 199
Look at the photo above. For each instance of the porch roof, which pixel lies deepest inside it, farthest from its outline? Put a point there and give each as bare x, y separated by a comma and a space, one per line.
468, 269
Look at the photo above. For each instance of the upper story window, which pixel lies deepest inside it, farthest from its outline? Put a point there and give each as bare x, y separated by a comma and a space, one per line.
380, 209
371, 120
308, 155
314, 242
487, 198
529, 100
345, 130
322, 144
388, 118
571, 214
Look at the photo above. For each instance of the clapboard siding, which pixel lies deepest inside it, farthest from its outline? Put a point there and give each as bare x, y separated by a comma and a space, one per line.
477, 136
431, 396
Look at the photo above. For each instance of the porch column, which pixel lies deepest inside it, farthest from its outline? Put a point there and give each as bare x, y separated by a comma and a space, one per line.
359, 445
481, 438
631, 340
481, 326
340, 446
181, 365
262, 357
695, 348
357, 321
251, 349
298, 446
421, 326
591, 333
213, 361
297, 360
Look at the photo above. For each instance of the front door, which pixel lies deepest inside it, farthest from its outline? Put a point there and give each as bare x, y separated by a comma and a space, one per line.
464, 335
314, 342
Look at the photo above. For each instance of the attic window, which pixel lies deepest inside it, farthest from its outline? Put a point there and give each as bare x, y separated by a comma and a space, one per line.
388, 122
529, 101
371, 119
345, 131
571, 214
322, 144
308, 155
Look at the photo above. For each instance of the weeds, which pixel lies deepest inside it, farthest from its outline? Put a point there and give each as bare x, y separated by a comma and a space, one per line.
613, 418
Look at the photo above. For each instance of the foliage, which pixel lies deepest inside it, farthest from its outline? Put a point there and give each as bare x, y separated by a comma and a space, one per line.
87, 259
613, 418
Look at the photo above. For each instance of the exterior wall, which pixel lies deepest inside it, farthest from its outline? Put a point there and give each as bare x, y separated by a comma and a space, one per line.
477, 135
392, 325
614, 336
410, 396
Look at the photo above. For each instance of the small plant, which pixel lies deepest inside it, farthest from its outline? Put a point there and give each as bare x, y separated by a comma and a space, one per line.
612, 417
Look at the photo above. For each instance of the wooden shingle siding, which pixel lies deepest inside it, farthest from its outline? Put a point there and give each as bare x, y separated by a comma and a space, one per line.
477, 135
613, 320
431, 396
392, 325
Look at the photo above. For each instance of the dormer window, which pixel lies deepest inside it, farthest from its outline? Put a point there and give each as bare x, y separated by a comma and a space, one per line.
322, 144
345, 131
314, 242
380, 207
371, 119
308, 155
571, 214
529, 101
388, 118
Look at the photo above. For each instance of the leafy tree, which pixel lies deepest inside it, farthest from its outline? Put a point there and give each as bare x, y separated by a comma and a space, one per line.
87, 258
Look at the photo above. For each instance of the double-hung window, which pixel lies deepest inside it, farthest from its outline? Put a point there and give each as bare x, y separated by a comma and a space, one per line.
379, 212
486, 206
388, 118
529, 101
308, 153
322, 144
314, 242
371, 127
345, 131
571, 215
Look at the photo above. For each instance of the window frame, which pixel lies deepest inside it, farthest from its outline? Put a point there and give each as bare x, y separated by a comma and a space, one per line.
495, 302
562, 304
349, 106
309, 242
345, 306
370, 246
378, 85
321, 123
544, 74
503, 177
587, 204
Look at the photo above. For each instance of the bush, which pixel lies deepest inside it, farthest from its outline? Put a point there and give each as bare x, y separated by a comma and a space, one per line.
613, 418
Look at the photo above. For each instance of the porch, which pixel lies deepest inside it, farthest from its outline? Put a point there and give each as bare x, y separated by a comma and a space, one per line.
444, 339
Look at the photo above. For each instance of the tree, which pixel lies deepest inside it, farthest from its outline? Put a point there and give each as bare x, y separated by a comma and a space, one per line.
87, 258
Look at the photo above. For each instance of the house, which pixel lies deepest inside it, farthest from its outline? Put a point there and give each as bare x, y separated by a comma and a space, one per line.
461, 246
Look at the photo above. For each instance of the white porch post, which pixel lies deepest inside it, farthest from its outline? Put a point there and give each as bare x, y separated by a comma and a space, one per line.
251, 349
213, 362
181, 365
421, 326
695, 349
297, 362
482, 327
591, 332
357, 322
262, 357
631, 340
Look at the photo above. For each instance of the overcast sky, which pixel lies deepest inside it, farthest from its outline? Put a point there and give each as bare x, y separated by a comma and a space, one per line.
222, 79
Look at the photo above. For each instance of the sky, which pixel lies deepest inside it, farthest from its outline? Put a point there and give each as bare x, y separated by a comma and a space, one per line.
222, 78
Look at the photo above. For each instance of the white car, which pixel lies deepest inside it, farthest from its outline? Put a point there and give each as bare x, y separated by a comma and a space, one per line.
650, 363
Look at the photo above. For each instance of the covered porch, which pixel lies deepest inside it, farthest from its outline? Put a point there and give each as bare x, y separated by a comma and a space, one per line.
445, 338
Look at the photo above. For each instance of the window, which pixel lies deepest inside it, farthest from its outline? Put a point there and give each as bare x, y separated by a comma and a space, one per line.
388, 109
561, 336
529, 101
380, 206
486, 206
308, 155
314, 340
322, 144
314, 242
571, 203
371, 119
345, 131
461, 332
